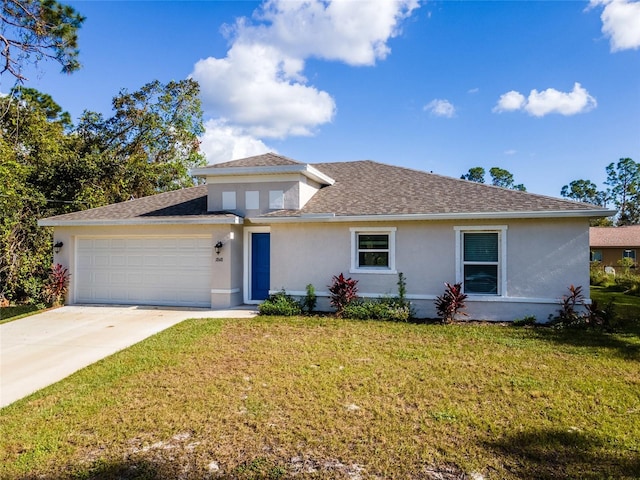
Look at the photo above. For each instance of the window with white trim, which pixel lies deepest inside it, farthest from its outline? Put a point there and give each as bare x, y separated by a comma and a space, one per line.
373, 250
480, 260
629, 254
228, 200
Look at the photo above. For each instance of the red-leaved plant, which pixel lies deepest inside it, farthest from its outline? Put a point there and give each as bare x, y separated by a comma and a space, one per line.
343, 291
451, 302
57, 284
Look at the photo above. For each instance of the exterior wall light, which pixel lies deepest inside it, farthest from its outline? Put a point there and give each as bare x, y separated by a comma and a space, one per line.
218, 247
57, 247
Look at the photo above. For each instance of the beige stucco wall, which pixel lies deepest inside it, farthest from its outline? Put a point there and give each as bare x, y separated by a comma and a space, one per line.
226, 284
543, 258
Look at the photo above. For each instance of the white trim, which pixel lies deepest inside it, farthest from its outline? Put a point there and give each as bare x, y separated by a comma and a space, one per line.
355, 268
501, 230
183, 220
246, 268
472, 298
302, 169
223, 291
438, 216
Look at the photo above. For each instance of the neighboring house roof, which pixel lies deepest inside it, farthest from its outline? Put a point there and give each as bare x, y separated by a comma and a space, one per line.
615, 237
356, 190
188, 205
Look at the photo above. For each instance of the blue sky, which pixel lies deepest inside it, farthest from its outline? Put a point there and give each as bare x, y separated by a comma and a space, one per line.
547, 90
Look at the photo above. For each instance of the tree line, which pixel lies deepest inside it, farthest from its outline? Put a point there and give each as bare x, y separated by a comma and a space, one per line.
50, 166
622, 192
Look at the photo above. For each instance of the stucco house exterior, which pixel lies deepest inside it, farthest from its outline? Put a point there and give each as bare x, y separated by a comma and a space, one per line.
609, 245
267, 223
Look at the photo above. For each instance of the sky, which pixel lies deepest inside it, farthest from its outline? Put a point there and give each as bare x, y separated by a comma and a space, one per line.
549, 91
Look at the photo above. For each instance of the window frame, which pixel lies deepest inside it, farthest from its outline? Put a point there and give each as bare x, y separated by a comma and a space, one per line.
355, 250
229, 201
252, 200
276, 199
629, 253
501, 282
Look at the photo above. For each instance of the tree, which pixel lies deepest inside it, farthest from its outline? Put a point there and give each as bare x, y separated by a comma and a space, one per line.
623, 178
151, 142
32, 30
584, 191
475, 174
504, 178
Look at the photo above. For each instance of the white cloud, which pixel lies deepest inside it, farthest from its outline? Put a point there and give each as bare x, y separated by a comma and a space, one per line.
510, 101
620, 22
548, 101
222, 142
510, 152
440, 108
354, 32
259, 88
473, 90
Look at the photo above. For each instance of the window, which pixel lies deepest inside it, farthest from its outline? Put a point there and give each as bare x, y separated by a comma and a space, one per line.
276, 199
596, 255
480, 260
252, 200
228, 200
372, 250
629, 254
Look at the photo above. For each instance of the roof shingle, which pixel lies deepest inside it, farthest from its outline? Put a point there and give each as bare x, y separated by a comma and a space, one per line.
361, 188
616, 237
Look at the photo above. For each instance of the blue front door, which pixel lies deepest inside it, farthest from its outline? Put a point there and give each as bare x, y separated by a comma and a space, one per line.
260, 265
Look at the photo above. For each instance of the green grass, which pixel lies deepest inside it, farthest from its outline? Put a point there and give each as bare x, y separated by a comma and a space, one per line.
324, 398
9, 314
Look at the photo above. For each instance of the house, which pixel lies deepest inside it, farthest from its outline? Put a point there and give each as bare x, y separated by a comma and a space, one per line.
267, 223
610, 245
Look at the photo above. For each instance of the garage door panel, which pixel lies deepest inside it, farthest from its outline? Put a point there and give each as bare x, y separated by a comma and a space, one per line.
144, 270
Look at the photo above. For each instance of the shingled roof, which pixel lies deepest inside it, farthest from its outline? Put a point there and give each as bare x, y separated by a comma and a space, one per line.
365, 188
188, 205
361, 189
615, 237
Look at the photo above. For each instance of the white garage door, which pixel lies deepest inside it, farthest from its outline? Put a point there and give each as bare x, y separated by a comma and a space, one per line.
144, 270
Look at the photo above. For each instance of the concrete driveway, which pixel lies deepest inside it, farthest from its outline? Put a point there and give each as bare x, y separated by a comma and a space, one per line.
42, 349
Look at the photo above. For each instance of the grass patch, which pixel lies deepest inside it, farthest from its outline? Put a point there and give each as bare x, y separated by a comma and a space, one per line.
8, 314
324, 398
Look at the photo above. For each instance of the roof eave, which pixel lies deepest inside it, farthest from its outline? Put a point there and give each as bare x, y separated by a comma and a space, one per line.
50, 222
331, 217
304, 169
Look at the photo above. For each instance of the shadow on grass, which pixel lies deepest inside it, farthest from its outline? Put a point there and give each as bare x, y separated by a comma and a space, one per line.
625, 344
553, 454
168, 468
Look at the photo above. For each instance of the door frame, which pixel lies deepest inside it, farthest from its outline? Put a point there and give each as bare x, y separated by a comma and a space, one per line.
246, 277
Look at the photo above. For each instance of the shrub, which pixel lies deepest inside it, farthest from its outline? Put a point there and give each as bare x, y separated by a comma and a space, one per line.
57, 284
576, 312
379, 309
280, 304
568, 314
628, 283
525, 321
451, 302
597, 275
309, 301
343, 291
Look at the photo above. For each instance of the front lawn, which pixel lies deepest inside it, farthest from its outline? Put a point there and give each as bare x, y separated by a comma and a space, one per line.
325, 398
